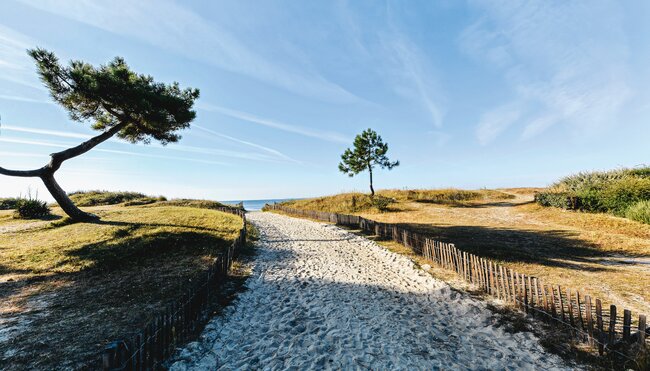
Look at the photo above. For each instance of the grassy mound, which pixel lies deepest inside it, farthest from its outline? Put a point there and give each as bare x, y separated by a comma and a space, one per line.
614, 191
360, 202
201, 204
99, 198
79, 285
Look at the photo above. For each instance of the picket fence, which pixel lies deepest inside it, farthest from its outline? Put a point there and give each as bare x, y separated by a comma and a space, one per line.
607, 329
178, 322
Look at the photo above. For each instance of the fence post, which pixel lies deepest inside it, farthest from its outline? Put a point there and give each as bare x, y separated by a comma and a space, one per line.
642, 331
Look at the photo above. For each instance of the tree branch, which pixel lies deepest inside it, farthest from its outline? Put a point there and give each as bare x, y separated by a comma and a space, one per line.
22, 173
59, 157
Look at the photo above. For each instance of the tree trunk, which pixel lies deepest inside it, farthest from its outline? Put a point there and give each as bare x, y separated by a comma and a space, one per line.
64, 201
372, 190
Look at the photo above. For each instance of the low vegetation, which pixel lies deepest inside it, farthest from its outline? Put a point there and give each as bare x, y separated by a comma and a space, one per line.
600, 254
31, 208
621, 192
360, 202
69, 288
8, 203
99, 198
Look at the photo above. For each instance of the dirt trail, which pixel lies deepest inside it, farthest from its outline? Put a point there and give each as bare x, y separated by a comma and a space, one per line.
322, 298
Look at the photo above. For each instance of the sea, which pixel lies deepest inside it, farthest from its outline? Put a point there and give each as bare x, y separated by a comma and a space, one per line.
256, 205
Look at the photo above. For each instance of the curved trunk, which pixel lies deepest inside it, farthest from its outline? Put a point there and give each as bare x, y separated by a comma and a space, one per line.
64, 201
372, 190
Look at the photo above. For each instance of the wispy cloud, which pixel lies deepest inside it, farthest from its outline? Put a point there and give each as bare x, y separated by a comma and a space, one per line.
178, 29
415, 70
494, 122
562, 66
104, 150
244, 142
172, 147
308, 132
15, 64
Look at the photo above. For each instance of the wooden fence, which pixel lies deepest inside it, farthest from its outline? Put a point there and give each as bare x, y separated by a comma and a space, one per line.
606, 328
158, 339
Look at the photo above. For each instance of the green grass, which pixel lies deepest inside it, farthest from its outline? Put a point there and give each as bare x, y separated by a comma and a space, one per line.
639, 211
98, 198
100, 281
613, 191
202, 204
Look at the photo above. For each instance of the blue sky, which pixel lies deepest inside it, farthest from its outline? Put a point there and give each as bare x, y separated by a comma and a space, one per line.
468, 94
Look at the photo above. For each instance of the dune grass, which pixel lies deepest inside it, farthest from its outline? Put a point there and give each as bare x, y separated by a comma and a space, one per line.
69, 288
98, 198
614, 192
601, 254
361, 202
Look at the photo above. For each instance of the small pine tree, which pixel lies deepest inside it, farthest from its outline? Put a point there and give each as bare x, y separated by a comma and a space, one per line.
369, 151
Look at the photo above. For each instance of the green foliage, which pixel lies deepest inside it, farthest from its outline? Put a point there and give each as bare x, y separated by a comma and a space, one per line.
639, 211
98, 198
112, 94
369, 151
382, 203
31, 208
8, 203
563, 200
615, 191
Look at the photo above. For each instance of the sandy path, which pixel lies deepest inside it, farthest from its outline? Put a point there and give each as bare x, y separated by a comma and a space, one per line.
320, 297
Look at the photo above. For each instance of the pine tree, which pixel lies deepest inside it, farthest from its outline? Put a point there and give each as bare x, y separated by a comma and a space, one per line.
118, 102
369, 151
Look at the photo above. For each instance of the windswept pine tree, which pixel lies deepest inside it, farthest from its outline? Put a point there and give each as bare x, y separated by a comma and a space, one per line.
369, 151
117, 102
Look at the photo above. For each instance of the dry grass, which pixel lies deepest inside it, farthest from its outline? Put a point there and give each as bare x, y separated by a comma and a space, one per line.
68, 289
600, 254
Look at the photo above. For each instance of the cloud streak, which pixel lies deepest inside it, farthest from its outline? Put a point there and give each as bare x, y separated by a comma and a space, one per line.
300, 130
178, 29
247, 143
562, 67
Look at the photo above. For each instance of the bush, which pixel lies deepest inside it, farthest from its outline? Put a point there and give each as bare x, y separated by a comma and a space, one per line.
615, 191
8, 203
31, 208
382, 203
639, 211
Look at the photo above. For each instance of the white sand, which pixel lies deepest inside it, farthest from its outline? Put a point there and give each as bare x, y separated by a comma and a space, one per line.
322, 298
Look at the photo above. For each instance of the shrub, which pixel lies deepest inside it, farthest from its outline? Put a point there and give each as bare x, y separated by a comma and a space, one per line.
31, 208
382, 203
8, 203
640, 211
141, 201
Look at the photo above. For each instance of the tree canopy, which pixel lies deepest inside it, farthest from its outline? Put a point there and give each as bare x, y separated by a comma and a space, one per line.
368, 152
117, 102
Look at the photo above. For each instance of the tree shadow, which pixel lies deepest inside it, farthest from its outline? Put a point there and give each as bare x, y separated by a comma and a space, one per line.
554, 248
123, 283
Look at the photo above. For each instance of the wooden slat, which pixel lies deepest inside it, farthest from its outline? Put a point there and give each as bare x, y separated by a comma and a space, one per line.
627, 324
570, 307
589, 318
599, 325
642, 326
612, 325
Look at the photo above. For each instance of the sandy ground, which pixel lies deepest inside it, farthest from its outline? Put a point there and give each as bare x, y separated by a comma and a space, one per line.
322, 298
